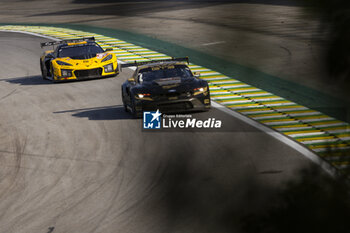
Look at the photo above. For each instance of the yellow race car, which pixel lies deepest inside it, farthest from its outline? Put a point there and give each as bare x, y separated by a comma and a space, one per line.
77, 59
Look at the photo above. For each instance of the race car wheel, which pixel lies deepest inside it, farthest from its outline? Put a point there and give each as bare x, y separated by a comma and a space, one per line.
134, 112
43, 72
125, 106
52, 71
118, 68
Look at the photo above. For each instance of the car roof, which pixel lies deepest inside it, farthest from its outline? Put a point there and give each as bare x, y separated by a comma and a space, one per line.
167, 63
71, 45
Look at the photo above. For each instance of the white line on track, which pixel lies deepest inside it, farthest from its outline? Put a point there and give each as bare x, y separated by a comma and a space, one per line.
213, 43
33, 34
294, 128
305, 134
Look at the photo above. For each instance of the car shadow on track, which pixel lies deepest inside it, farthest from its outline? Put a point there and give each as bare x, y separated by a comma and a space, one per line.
115, 112
28, 80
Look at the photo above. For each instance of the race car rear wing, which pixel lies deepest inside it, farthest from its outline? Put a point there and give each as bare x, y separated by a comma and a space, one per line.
155, 61
52, 43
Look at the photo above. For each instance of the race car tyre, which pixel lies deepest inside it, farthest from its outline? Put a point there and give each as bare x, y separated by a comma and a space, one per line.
125, 106
134, 112
43, 73
118, 68
52, 73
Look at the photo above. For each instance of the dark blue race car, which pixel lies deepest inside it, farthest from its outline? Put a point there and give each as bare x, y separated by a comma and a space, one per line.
167, 85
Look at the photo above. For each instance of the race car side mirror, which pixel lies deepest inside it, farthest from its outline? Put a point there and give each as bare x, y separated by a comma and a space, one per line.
197, 74
131, 80
108, 49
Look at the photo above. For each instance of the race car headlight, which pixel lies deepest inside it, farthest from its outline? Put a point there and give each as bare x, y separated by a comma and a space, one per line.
143, 96
109, 57
200, 90
108, 68
66, 73
62, 63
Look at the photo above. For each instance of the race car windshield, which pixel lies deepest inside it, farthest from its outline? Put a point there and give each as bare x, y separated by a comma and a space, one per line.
154, 73
80, 52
